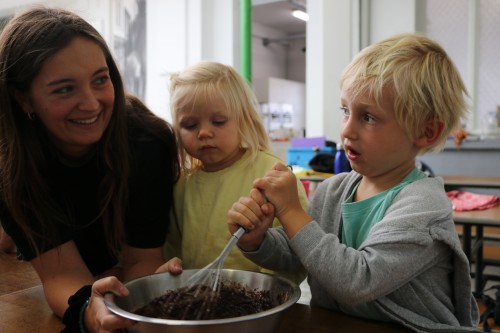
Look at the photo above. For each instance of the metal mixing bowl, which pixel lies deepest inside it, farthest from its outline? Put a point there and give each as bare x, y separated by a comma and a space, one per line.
144, 289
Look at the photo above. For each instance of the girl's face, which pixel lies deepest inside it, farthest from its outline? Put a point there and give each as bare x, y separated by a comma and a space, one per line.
72, 96
376, 145
209, 132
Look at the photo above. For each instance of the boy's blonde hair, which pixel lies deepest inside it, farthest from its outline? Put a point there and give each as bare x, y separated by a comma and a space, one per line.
207, 81
422, 80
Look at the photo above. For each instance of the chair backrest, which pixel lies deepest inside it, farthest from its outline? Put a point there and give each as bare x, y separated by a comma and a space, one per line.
425, 168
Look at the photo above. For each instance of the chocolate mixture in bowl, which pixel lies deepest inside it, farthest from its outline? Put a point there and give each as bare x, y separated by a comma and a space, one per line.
200, 302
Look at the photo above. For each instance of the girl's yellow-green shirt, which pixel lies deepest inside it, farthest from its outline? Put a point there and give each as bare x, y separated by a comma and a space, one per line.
199, 231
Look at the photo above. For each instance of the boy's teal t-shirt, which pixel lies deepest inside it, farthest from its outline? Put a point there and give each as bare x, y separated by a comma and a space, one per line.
359, 218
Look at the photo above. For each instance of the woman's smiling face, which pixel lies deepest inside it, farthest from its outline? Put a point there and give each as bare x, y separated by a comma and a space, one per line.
72, 96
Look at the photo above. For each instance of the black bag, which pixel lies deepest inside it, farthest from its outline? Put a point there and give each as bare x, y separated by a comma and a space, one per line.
322, 163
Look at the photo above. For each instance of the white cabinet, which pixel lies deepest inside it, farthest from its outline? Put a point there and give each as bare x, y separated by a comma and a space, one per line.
283, 105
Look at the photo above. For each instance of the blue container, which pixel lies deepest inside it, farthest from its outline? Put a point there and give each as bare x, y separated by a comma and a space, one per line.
341, 162
302, 155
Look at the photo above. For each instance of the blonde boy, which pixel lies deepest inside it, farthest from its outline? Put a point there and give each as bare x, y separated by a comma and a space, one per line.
378, 242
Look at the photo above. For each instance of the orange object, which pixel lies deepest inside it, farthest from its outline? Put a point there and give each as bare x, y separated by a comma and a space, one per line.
459, 136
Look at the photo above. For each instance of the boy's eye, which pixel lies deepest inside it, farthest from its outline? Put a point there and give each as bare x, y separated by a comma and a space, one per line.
345, 111
369, 118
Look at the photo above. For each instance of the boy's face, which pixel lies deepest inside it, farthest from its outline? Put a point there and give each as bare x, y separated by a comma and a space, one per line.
376, 145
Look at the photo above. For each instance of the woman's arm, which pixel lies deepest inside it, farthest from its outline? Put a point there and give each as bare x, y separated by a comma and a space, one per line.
7, 245
138, 262
62, 273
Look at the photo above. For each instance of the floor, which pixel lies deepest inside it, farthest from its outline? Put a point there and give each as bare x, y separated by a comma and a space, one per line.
491, 293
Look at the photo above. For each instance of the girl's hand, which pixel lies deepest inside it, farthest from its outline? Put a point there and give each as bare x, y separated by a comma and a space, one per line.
97, 316
173, 266
255, 215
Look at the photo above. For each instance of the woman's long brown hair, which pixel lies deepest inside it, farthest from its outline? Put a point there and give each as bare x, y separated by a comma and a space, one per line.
25, 43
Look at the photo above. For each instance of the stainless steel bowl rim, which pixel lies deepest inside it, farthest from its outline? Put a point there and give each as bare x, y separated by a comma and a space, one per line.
110, 303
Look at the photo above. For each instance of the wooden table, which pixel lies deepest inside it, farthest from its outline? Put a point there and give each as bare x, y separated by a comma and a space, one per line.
474, 182
27, 311
302, 318
23, 309
478, 220
473, 245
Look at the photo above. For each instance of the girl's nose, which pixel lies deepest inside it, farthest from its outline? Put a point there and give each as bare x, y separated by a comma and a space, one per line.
205, 132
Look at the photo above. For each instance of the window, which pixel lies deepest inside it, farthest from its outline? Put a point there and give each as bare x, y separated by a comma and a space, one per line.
469, 31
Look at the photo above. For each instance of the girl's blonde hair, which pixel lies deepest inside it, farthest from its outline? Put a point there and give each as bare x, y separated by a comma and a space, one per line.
422, 80
207, 81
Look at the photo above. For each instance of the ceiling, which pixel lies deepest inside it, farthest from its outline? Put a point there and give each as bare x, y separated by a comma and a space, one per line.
278, 15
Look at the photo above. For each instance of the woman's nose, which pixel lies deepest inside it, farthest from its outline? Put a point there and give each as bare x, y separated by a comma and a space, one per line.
88, 100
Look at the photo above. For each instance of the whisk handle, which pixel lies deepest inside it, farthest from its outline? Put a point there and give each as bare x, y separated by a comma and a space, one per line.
239, 232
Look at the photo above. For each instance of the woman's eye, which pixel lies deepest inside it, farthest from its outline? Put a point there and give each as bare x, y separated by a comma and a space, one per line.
63, 90
102, 80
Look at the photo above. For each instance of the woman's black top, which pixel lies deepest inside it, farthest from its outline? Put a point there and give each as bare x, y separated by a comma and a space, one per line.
76, 187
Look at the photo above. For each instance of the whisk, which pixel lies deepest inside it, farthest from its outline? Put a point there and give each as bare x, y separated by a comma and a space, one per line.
210, 274
204, 285
213, 270
203, 288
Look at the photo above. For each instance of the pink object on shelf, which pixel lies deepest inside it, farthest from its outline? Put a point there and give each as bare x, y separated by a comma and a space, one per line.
463, 201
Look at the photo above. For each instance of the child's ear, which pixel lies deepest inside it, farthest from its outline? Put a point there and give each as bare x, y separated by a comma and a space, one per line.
24, 101
431, 133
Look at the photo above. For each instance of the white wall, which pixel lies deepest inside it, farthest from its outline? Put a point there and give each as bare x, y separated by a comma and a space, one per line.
181, 32
389, 17
329, 41
333, 40
167, 54
296, 59
267, 61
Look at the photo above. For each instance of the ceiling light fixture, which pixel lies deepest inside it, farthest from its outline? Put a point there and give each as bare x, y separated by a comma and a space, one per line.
300, 14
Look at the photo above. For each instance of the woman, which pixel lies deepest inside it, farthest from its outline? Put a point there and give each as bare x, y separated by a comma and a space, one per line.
86, 173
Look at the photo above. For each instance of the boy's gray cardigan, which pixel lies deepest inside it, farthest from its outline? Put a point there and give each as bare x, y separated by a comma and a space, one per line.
411, 265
